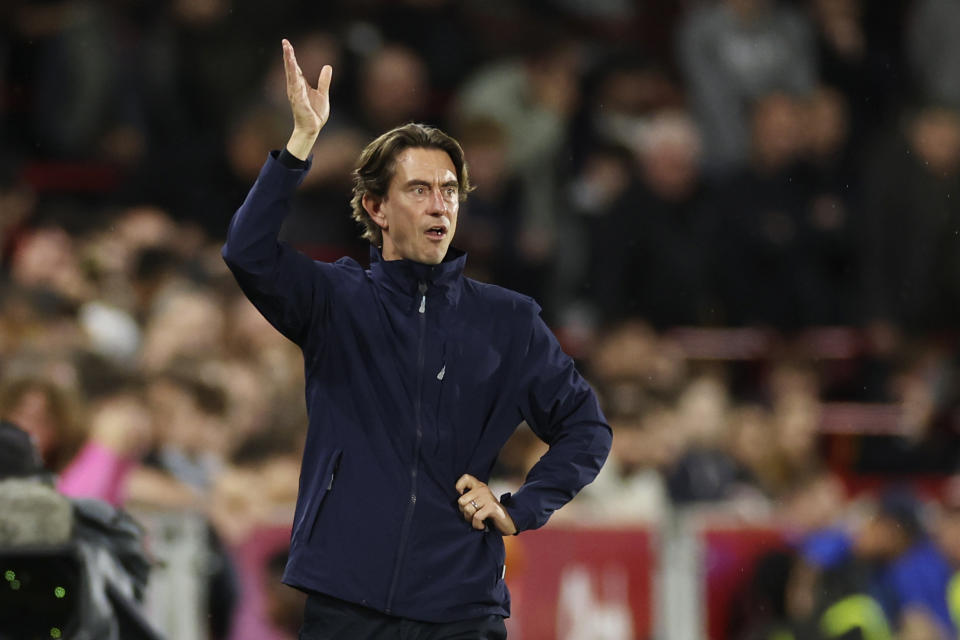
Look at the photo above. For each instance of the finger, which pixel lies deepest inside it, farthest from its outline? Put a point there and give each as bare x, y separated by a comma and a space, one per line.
467, 513
482, 514
289, 65
466, 482
474, 494
289, 56
323, 82
288, 60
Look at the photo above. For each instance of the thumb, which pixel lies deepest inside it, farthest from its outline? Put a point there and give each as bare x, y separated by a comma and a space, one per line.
323, 81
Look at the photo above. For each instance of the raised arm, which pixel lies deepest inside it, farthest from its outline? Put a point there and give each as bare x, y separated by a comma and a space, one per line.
286, 286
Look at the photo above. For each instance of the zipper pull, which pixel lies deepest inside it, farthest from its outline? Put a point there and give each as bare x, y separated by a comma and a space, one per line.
423, 301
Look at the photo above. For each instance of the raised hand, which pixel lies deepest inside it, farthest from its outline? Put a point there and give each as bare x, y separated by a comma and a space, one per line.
310, 107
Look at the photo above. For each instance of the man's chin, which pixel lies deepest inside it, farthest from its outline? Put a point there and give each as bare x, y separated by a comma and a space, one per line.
434, 257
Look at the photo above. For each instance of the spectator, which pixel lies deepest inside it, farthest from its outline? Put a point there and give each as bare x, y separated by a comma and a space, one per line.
858, 53
493, 215
120, 434
732, 53
533, 99
662, 268
911, 574
926, 439
762, 217
909, 248
933, 51
48, 413
829, 282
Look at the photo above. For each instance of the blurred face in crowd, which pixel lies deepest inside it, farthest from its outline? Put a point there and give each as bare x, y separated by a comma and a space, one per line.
488, 161
44, 258
948, 534
935, 135
182, 423
815, 505
747, 8
776, 131
251, 138
624, 352
751, 438
553, 79
702, 410
394, 87
881, 538
671, 155
418, 216
656, 442
825, 123
797, 418
33, 413
188, 323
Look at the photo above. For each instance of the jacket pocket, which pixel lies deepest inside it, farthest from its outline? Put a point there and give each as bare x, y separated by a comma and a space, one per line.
317, 490
497, 553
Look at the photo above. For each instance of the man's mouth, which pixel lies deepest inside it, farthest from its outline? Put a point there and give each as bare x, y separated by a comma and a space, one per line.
437, 233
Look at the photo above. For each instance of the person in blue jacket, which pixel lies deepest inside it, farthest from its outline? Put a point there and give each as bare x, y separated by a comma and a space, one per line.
416, 376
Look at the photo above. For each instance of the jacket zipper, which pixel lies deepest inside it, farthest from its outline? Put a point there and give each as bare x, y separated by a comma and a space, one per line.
411, 505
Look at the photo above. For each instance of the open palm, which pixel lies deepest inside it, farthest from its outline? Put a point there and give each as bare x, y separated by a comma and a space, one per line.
311, 107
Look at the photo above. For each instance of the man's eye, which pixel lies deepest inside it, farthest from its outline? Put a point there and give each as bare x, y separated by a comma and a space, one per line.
419, 191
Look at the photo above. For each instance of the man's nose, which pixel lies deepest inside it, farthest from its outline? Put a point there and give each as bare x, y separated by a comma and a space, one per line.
438, 204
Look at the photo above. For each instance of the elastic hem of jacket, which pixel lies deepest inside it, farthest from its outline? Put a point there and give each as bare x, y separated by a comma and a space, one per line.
291, 161
521, 520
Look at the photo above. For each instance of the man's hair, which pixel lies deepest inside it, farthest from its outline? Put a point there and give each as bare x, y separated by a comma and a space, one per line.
378, 162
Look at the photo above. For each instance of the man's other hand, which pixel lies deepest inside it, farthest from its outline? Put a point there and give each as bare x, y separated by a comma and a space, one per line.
477, 503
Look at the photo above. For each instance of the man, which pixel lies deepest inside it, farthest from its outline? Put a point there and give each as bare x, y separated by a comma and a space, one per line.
415, 378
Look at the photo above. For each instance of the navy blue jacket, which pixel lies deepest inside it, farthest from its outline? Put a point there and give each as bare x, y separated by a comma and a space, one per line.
415, 375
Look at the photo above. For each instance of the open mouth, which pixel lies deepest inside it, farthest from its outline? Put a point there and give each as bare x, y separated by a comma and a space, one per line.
437, 233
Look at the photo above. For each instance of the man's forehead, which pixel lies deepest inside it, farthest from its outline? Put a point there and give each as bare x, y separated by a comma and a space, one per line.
425, 164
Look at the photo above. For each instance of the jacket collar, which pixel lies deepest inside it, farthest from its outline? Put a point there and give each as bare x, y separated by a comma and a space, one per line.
404, 276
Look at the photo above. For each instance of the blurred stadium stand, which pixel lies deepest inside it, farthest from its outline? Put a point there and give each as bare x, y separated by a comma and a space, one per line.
741, 218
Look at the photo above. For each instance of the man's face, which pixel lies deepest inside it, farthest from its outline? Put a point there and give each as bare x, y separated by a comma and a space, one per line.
419, 213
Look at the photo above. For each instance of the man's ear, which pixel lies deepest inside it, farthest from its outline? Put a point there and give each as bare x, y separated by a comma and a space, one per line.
372, 205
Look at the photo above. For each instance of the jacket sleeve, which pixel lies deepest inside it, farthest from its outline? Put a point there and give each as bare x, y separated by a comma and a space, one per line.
563, 411
286, 286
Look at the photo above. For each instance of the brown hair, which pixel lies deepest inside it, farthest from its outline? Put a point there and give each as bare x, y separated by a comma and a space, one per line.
64, 408
377, 165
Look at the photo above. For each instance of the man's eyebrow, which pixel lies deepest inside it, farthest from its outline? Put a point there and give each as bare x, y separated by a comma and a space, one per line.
418, 183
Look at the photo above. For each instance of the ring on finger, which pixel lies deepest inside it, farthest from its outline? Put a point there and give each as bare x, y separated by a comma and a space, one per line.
475, 505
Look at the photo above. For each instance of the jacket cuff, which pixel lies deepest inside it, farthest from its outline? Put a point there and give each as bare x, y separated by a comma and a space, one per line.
290, 161
521, 520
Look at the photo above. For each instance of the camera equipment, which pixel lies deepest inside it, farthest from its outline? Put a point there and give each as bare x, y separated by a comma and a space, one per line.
70, 568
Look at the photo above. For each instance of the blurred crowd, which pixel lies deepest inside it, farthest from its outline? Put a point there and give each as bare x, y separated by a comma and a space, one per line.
769, 166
